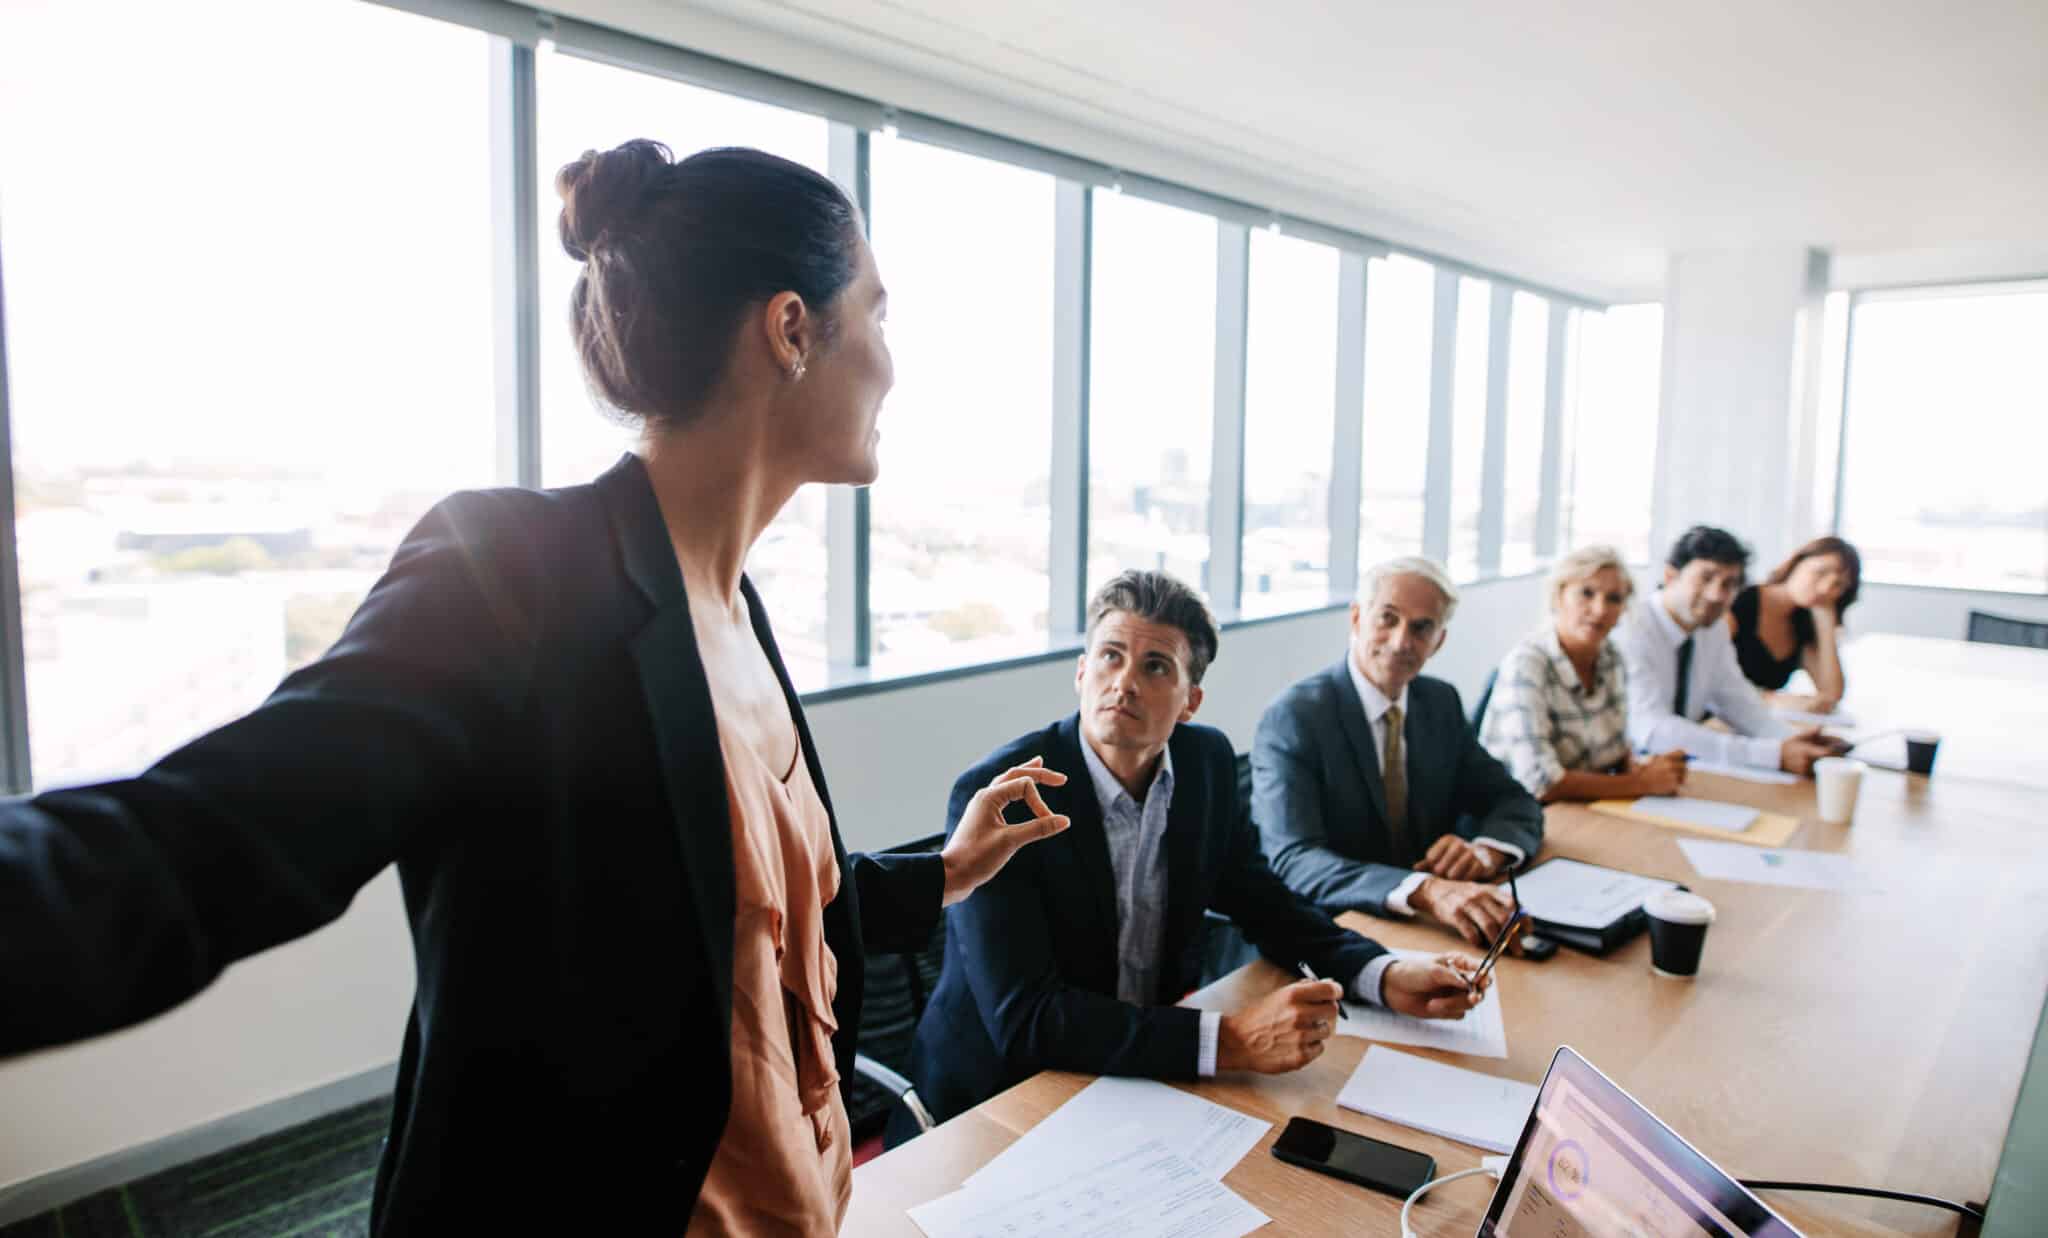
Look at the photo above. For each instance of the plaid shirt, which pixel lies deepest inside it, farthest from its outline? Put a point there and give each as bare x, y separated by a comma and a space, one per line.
1541, 722
1135, 832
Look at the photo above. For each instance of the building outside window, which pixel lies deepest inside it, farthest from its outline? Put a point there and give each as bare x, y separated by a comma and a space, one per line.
962, 515
1289, 420
296, 294
1399, 307
1151, 389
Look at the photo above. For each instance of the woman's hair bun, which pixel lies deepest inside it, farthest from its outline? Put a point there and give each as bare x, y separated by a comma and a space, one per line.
603, 190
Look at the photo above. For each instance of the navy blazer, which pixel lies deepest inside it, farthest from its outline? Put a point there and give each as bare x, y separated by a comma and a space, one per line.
518, 716
1029, 981
1321, 803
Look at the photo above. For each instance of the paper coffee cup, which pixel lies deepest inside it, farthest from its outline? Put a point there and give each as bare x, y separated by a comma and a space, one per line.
1837, 780
1920, 749
1678, 931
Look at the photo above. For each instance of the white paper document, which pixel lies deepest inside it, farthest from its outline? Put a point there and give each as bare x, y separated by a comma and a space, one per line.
1748, 773
1807, 870
1713, 814
1147, 1191
1464, 1105
1208, 1136
1481, 1033
1800, 717
1587, 896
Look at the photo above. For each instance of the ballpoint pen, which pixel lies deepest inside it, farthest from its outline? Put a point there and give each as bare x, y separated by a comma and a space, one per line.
1343, 1011
1499, 947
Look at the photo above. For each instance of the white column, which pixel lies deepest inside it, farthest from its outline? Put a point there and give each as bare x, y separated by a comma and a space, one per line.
1735, 438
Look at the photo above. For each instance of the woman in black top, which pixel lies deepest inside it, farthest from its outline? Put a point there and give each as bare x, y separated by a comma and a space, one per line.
524, 716
1793, 621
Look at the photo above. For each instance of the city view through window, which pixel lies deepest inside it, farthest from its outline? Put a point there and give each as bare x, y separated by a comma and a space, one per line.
240, 367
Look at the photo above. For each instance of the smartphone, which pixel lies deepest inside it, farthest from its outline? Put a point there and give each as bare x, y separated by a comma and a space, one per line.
1369, 1162
1536, 947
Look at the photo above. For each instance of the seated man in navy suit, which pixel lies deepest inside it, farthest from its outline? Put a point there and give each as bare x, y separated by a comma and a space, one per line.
1370, 790
1072, 957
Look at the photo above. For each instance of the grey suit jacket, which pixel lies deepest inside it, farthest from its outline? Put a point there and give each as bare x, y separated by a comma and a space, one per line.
1321, 805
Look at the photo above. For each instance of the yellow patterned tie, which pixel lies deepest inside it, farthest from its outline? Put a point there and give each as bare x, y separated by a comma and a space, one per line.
1395, 775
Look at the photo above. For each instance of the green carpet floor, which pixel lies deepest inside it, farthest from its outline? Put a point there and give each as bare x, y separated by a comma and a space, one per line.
312, 1181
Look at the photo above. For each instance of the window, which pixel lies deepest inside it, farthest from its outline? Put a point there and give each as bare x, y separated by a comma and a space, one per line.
962, 516
1944, 437
1468, 424
1151, 389
1289, 422
1615, 435
237, 380
584, 105
1528, 374
1399, 307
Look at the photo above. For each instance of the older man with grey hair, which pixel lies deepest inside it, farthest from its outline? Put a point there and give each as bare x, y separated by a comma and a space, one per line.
1369, 789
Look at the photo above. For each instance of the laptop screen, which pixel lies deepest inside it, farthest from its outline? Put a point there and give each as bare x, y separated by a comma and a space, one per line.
1592, 1162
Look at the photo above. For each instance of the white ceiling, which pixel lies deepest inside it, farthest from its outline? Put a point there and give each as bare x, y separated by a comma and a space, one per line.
1577, 142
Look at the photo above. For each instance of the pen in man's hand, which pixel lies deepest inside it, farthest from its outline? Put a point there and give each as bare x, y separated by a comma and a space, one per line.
1343, 1011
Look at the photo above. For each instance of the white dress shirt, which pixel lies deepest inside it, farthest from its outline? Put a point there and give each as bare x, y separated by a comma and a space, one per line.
1648, 638
1376, 707
1136, 831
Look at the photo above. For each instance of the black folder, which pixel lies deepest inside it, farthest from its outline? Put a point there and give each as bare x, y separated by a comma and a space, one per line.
1598, 939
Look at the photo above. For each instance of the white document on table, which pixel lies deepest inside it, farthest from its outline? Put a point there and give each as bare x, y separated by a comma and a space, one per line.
1748, 773
1481, 1033
1579, 895
1147, 1191
1482, 1110
1806, 870
1207, 1135
1713, 814
1801, 717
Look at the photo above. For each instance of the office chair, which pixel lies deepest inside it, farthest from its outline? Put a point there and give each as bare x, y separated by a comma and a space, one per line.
1485, 695
1989, 629
898, 986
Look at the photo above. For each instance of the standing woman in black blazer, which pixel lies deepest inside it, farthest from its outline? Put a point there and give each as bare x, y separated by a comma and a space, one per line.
531, 715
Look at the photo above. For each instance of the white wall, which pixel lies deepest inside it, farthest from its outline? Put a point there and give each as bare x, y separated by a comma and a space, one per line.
333, 1005
300, 1017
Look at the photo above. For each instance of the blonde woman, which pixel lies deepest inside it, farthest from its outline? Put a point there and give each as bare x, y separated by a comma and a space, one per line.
1558, 717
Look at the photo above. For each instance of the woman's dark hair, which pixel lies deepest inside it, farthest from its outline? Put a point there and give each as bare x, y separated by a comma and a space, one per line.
675, 252
1703, 541
1852, 567
1157, 597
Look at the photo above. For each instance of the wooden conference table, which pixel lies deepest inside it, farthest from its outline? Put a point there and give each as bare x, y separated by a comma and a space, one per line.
1854, 1038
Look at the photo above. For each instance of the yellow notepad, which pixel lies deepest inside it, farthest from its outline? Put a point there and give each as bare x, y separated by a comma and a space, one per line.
1770, 829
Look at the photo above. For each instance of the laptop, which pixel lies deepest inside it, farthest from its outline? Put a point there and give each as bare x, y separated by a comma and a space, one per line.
1592, 1163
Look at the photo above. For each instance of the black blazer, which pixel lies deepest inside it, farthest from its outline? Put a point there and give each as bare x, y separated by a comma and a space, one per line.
1029, 981
517, 716
1321, 804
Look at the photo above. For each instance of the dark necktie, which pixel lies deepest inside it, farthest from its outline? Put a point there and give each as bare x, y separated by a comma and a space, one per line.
1684, 675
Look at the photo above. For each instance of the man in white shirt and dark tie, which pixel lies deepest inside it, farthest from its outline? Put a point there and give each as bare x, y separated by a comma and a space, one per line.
1681, 666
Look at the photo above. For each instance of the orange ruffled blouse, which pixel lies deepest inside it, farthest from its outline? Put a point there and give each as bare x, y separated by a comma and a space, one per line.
784, 1165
